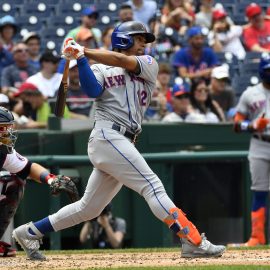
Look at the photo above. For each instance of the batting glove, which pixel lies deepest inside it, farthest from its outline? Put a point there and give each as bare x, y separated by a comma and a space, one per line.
260, 124
72, 50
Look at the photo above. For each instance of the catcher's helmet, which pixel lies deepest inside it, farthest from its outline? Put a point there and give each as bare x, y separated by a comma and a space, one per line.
122, 35
8, 135
264, 68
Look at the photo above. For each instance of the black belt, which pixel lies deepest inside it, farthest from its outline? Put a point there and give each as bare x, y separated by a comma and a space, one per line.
264, 138
133, 137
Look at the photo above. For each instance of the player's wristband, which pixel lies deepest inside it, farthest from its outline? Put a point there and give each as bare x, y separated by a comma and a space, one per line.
244, 126
46, 177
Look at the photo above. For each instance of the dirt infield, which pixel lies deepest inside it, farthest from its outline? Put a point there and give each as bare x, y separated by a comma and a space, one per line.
98, 260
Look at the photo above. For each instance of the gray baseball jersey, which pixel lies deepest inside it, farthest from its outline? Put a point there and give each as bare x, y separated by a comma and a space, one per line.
116, 161
254, 102
125, 96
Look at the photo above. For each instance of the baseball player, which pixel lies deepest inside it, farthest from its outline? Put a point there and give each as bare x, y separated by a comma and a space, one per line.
12, 181
253, 115
122, 85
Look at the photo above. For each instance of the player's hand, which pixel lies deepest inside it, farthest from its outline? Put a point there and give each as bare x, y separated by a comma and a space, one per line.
72, 50
260, 124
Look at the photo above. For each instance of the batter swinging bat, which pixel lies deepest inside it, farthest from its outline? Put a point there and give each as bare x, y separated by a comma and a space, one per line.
62, 93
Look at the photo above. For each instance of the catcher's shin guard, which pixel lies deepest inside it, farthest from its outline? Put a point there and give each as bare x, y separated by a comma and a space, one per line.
178, 222
11, 193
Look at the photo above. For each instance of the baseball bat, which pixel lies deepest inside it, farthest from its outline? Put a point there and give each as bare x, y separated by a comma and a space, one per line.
62, 93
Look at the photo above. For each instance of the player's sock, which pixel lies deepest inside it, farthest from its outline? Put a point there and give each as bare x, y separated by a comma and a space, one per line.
259, 200
44, 225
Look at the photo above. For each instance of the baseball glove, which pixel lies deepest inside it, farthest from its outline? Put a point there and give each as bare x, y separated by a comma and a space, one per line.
63, 183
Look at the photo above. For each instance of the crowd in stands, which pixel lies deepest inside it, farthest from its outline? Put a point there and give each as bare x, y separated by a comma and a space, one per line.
207, 54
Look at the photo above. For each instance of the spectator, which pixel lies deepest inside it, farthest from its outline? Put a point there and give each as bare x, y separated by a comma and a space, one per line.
85, 38
4, 101
182, 109
125, 13
106, 38
164, 78
196, 60
225, 37
165, 44
35, 107
220, 90
143, 10
204, 17
177, 14
6, 59
89, 18
8, 30
256, 33
47, 80
105, 231
32, 41
14, 75
77, 101
157, 107
203, 104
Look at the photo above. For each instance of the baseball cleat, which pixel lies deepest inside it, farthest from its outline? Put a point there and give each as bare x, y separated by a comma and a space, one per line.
204, 250
6, 250
30, 243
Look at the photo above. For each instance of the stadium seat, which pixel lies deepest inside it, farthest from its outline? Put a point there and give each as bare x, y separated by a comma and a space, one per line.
67, 22
8, 9
73, 9
229, 59
40, 9
252, 57
31, 23
240, 83
249, 68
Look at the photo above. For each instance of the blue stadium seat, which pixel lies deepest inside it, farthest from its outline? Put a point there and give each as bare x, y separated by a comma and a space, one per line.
40, 9
249, 68
73, 9
31, 23
67, 22
229, 59
225, 2
53, 32
252, 57
240, 83
259, 2
8, 9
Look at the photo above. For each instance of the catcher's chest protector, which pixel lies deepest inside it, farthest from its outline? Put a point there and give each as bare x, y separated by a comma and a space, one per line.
11, 193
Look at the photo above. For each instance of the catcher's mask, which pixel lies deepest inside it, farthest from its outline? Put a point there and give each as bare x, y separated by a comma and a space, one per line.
8, 135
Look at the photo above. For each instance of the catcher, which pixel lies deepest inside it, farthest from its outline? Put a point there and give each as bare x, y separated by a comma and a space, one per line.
12, 182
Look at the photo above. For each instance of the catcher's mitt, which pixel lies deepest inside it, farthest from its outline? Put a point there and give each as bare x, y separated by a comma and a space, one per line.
63, 183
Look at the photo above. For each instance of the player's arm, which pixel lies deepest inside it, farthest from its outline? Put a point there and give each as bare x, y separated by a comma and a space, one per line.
40, 174
88, 81
85, 232
115, 59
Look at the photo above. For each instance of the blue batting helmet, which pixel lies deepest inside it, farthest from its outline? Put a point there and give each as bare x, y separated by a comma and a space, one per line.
122, 34
264, 68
